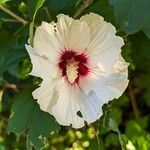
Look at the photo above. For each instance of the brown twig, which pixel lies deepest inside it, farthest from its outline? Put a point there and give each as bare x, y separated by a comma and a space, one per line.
133, 101
86, 3
12, 87
5, 85
12, 14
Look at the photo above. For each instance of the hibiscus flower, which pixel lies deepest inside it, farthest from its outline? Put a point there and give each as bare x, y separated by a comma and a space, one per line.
81, 66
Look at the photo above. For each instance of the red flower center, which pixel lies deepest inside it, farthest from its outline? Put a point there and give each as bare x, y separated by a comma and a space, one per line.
73, 65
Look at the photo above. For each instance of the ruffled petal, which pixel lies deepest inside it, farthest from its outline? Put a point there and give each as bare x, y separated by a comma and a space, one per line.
105, 46
67, 106
91, 107
74, 34
106, 86
40, 66
45, 95
46, 42
73, 100
96, 24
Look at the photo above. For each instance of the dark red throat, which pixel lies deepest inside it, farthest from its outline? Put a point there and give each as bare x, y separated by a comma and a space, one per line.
82, 60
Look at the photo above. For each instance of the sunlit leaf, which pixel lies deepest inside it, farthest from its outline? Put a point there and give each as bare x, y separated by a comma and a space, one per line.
3, 1
31, 31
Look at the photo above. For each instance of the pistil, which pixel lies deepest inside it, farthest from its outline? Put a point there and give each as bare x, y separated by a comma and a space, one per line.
72, 70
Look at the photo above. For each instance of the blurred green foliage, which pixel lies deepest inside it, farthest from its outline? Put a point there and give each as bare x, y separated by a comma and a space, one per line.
126, 121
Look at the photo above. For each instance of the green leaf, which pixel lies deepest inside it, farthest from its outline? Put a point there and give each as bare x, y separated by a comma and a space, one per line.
143, 143
133, 15
61, 6
103, 8
112, 139
3, 1
8, 58
22, 109
10, 51
31, 6
26, 115
96, 145
31, 28
21, 70
123, 141
140, 46
109, 120
47, 127
133, 129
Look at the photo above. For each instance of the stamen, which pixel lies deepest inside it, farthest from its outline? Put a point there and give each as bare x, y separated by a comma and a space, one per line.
72, 70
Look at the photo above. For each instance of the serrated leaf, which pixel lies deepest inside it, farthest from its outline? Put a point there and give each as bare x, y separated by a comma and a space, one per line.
27, 116
109, 120
41, 125
133, 15
22, 109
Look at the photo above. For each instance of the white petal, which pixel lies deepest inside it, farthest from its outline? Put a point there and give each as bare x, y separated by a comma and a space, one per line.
108, 86
121, 66
46, 42
40, 66
105, 46
45, 95
72, 100
67, 106
95, 23
91, 107
75, 34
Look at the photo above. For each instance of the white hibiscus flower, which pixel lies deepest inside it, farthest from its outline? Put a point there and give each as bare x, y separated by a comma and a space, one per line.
81, 66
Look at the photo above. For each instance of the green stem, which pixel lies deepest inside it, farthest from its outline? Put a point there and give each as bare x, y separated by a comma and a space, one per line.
120, 140
12, 14
86, 3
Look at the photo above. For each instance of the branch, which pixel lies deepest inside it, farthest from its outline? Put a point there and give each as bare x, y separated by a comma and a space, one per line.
86, 3
12, 87
12, 14
133, 101
5, 85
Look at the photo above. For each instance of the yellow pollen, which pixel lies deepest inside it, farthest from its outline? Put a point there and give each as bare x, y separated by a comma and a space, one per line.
72, 70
